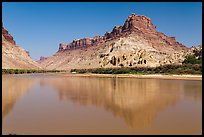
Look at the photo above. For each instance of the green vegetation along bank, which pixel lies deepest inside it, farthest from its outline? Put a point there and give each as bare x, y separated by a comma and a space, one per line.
166, 69
21, 71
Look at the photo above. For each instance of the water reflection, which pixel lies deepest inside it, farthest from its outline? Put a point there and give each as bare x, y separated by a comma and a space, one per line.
13, 89
193, 90
137, 101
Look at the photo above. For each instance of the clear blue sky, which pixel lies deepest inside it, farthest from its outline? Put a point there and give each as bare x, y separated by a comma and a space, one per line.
40, 27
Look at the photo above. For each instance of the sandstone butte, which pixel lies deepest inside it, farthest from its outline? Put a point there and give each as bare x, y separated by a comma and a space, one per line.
136, 43
13, 56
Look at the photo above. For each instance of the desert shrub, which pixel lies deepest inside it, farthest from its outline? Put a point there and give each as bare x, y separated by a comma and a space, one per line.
11, 71
120, 70
191, 59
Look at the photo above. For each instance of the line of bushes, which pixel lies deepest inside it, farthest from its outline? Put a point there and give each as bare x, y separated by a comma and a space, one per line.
21, 71
166, 69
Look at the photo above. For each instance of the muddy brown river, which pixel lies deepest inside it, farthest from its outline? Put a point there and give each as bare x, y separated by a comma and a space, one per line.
39, 104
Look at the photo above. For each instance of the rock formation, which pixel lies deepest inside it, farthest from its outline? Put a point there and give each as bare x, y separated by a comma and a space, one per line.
42, 58
7, 36
196, 51
141, 25
13, 56
136, 43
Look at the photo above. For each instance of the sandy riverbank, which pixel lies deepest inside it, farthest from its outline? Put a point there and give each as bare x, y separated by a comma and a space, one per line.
152, 76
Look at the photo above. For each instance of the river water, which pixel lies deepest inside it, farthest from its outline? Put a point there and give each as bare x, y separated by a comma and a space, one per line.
40, 104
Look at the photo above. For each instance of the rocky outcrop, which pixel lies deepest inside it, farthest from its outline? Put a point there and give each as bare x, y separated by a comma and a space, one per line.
138, 23
13, 56
196, 51
135, 44
7, 36
41, 59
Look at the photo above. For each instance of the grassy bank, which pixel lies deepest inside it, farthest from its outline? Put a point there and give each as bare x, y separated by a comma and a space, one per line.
21, 71
166, 69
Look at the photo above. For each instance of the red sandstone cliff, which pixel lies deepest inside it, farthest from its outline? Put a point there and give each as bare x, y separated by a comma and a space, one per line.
140, 25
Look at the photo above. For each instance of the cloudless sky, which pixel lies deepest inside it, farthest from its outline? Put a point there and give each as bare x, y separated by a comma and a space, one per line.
39, 27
